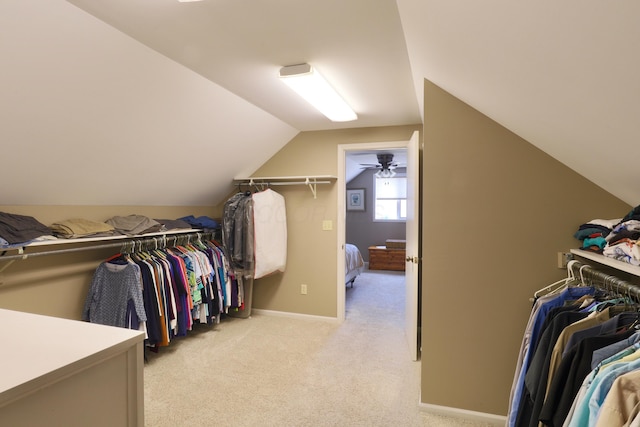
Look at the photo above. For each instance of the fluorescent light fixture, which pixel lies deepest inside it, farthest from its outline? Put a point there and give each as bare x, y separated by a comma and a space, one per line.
310, 85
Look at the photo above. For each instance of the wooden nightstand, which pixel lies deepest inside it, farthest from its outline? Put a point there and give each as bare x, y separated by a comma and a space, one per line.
383, 258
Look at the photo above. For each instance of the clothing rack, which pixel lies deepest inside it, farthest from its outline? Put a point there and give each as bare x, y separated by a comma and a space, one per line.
126, 245
266, 182
593, 277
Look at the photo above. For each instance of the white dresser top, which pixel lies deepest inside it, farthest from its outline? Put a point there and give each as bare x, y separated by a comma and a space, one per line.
37, 350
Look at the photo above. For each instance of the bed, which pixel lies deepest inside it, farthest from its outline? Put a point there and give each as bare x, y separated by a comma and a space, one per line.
354, 264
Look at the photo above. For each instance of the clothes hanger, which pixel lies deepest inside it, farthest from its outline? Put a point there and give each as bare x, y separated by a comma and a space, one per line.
241, 189
123, 255
198, 244
600, 306
559, 285
581, 272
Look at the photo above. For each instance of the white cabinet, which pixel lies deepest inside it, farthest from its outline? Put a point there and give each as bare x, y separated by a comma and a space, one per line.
60, 372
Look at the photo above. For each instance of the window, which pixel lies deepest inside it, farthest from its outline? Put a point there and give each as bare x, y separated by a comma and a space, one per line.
390, 199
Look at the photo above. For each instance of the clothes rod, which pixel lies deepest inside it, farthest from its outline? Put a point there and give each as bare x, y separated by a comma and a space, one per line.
605, 281
287, 183
312, 182
158, 241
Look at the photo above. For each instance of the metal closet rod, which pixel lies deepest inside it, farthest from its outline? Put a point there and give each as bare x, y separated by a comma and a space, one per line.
158, 241
606, 281
311, 182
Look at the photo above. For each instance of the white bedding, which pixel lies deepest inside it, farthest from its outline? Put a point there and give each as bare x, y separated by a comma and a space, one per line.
354, 264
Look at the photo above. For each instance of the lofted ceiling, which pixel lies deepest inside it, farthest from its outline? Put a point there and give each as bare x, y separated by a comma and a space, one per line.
562, 75
358, 45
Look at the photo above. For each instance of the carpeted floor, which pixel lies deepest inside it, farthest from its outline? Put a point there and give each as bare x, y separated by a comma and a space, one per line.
270, 370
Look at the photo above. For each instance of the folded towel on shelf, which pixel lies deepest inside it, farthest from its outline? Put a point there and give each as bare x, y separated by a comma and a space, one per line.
134, 224
21, 228
80, 227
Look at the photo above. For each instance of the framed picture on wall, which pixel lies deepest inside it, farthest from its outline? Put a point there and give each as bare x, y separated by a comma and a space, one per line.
355, 199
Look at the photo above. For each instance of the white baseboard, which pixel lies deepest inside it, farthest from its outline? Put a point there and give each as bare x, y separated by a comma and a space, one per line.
294, 315
497, 420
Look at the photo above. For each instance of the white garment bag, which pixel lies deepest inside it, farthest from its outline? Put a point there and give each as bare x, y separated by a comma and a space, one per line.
270, 233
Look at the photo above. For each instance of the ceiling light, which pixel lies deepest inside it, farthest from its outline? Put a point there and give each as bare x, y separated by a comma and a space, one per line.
310, 85
385, 173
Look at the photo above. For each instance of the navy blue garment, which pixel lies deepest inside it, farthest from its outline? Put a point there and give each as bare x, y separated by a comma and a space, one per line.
201, 222
150, 303
538, 372
567, 380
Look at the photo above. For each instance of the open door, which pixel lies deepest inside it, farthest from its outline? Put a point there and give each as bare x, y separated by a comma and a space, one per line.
412, 232
412, 251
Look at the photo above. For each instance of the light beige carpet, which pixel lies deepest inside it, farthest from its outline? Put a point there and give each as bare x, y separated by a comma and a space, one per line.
270, 370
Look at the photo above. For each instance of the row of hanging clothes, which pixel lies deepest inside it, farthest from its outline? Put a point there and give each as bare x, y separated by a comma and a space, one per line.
254, 235
579, 361
164, 289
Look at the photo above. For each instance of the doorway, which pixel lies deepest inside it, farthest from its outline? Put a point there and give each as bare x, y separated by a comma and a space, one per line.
382, 212
411, 278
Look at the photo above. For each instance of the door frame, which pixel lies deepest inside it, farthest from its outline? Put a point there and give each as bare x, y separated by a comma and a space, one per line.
342, 211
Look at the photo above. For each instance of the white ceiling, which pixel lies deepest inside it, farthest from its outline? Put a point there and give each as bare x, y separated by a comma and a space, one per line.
113, 92
561, 74
358, 45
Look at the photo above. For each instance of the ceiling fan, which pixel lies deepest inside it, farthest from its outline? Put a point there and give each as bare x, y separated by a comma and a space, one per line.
385, 164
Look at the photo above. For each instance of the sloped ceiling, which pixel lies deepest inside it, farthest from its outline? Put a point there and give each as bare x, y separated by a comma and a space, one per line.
562, 75
134, 102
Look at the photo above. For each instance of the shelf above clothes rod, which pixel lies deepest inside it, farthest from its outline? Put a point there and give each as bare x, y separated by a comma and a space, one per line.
309, 180
120, 241
63, 241
609, 262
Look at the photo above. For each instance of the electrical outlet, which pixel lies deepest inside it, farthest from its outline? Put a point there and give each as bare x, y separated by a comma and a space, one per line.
303, 289
564, 258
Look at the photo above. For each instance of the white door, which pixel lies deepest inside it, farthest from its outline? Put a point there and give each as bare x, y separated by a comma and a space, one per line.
413, 256
412, 232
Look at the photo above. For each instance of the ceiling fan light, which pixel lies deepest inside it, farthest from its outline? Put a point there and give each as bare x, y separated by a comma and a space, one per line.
385, 173
311, 86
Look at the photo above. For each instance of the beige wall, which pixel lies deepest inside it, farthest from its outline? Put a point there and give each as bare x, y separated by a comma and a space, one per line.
312, 252
496, 210
56, 285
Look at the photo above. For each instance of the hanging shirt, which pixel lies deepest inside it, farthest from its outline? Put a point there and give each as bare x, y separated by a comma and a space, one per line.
112, 287
622, 404
237, 233
532, 335
573, 369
